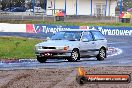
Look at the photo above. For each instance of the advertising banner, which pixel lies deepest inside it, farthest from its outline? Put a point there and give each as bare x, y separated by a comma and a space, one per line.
50, 29
4, 27
38, 28
123, 31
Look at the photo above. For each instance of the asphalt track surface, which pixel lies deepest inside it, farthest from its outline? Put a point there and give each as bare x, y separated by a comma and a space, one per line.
123, 57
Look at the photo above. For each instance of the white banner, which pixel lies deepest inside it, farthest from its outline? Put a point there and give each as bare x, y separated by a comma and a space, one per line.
12, 27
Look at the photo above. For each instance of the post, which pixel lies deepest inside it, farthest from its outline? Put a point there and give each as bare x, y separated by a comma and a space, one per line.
10, 4
106, 7
65, 7
33, 1
54, 7
109, 7
45, 7
76, 6
91, 7
120, 6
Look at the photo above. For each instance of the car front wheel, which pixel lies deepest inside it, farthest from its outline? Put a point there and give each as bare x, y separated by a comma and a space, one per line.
75, 55
101, 55
41, 59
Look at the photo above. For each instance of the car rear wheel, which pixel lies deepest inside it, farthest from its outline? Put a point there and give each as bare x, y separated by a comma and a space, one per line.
75, 55
41, 59
101, 55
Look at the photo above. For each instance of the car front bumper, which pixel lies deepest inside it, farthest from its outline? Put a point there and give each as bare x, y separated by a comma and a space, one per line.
52, 55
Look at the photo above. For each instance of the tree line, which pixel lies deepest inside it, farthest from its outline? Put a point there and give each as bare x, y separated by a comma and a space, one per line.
22, 3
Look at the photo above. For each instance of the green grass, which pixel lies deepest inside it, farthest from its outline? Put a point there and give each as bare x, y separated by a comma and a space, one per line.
69, 23
17, 47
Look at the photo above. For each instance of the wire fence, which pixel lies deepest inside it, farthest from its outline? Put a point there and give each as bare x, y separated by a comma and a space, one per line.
68, 18
36, 10
21, 16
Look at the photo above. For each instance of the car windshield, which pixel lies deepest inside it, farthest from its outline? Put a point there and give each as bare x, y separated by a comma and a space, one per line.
67, 35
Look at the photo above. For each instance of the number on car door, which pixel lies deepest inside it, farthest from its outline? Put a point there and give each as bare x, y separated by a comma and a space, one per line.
87, 45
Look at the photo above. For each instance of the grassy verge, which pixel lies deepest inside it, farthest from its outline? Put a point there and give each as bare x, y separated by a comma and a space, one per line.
17, 47
68, 23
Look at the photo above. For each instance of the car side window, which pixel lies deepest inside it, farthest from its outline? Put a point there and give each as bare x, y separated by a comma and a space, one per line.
87, 36
98, 35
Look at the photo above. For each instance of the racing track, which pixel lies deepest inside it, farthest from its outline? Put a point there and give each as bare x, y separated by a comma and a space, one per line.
123, 43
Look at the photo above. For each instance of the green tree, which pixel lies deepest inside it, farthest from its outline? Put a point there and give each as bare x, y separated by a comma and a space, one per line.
127, 3
12, 3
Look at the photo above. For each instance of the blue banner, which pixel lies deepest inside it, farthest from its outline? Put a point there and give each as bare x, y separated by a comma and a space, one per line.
50, 29
123, 31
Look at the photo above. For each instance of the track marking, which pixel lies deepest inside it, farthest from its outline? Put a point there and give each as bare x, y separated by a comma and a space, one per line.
67, 81
116, 43
119, 51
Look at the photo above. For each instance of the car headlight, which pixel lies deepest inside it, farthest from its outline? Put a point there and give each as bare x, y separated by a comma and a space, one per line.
59, 48
38, 47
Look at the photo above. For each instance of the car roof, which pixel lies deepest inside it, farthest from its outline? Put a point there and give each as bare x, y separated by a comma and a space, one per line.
80, 30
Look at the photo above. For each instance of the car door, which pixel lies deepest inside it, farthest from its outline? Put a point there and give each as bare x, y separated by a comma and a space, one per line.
87, 44
99, 39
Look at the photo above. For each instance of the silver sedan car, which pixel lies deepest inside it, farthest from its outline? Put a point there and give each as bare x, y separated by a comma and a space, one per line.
73, 45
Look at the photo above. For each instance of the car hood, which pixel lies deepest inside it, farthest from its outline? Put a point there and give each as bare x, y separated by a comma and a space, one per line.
59, 43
